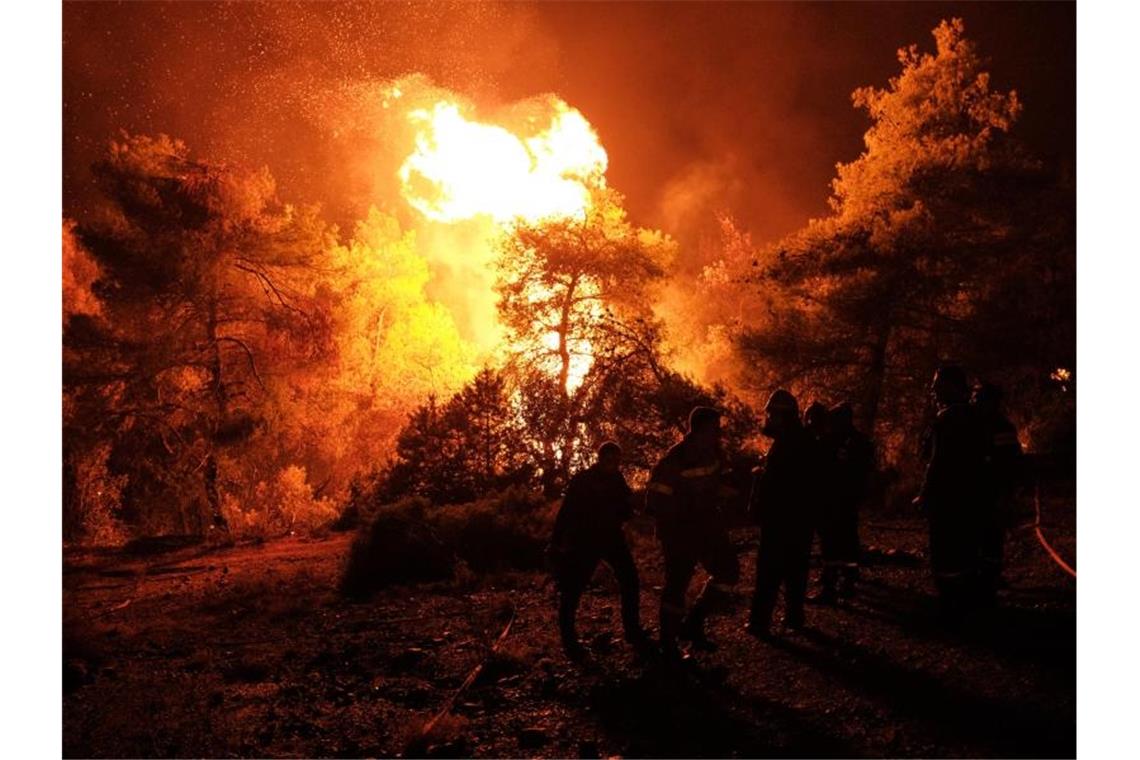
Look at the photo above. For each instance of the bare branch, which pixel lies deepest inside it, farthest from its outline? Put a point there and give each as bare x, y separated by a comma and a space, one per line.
248, 354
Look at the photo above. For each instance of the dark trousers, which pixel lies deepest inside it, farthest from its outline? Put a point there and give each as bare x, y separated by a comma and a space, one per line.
839, 545
966, 546
991, 552
575, 573
781, 560
684, 550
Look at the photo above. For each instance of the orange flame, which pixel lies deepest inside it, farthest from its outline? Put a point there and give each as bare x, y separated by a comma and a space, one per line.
462, 168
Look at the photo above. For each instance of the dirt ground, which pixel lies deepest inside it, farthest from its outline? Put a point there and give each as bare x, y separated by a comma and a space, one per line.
249, 651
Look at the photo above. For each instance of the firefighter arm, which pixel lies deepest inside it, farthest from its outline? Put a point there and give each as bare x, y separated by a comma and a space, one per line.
726, 491
567, 514
934, 467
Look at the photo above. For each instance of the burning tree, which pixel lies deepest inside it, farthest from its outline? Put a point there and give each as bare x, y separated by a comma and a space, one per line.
574, 299
206, 304
394, 347
574, 292
586, 363
937, 223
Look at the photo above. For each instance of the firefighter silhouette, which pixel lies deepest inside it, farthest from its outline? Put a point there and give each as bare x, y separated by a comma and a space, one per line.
953, 493
824, 507
783, 504
846, 460
588, 530
1001, 475
683, 494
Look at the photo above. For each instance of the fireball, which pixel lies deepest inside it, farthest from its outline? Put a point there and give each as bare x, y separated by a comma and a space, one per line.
461, 168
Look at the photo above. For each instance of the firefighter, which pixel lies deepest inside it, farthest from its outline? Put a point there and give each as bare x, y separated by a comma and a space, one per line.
588, 530
853, 459
782, 505
952, 494
824, 508
1002, 472
683, 493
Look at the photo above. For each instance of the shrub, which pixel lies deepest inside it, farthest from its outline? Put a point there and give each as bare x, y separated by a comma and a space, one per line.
93, 512
413, 541
508, 531
364, 492
396, 546
280, 505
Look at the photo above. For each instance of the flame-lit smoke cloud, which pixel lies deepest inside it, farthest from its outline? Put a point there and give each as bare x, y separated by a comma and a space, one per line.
460, 176
740, 108
762, 89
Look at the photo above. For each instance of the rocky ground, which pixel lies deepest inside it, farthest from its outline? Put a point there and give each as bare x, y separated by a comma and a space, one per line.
250, 651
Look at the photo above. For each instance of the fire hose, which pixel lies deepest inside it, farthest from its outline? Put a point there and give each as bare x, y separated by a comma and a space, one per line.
1036, 529
450, 703
1041, 536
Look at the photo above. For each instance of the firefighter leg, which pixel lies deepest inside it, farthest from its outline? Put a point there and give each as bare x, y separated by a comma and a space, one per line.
679, 566
849, 552
991, 553
719, 559
829, 576
573, 577
625, 571
796, 561
950, 561
767, 583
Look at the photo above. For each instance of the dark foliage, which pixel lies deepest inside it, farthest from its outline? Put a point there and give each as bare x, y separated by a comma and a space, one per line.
397, 546
412, 541
947, 241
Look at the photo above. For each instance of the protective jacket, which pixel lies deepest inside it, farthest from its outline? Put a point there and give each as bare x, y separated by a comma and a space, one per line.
684, 492
593, 510
786, 492
1002, 461
955, 473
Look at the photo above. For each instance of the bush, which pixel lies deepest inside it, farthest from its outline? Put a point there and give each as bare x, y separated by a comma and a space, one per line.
504, 532
92, 514
363, 500
412, 541
281, 505
397, 546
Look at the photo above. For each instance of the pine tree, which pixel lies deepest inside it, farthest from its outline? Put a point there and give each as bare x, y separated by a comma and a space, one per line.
574, 298
932, 227
206, 294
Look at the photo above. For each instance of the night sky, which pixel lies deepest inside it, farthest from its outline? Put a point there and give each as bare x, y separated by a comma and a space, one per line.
701, 107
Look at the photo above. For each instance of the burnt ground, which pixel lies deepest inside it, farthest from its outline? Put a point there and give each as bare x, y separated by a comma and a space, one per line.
250, 651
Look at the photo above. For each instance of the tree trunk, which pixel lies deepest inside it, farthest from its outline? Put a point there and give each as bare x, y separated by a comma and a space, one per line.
876, 376
564, 338
549, 470
210, 473
374, 385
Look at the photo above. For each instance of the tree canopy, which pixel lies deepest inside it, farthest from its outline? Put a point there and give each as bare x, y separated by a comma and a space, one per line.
935, 228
